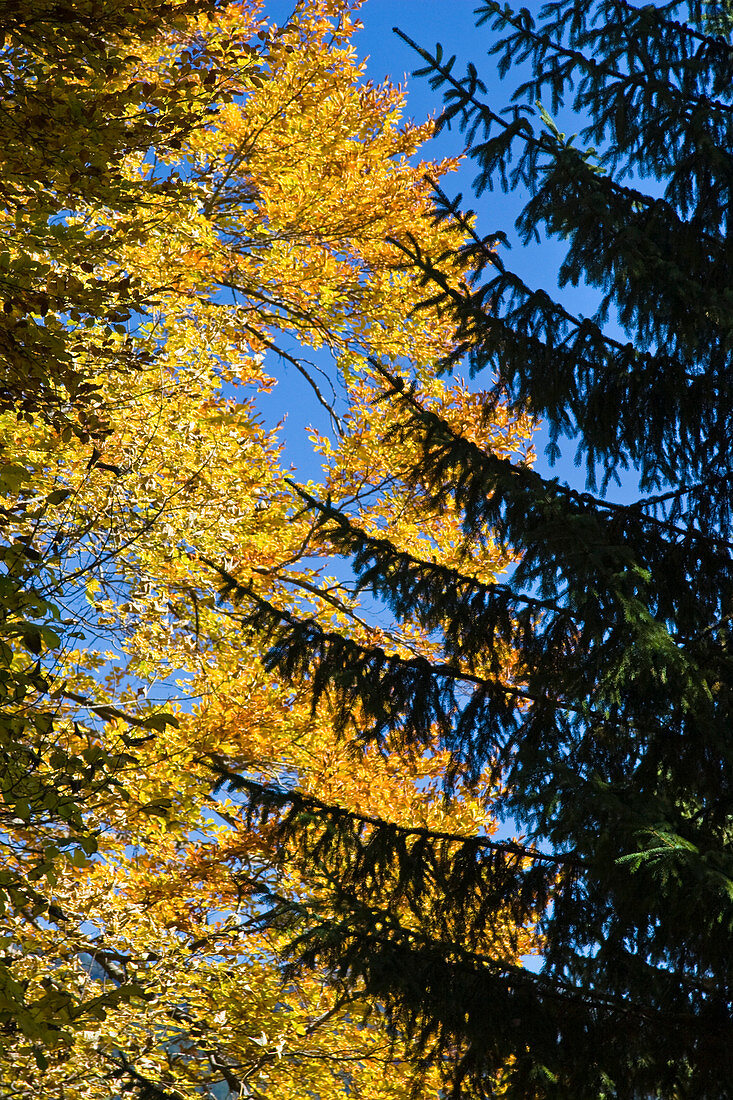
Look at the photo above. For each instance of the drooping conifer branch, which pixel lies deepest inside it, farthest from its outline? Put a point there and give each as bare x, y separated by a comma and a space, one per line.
618, 748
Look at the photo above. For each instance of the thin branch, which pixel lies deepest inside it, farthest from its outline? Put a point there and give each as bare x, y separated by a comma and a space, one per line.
335, 420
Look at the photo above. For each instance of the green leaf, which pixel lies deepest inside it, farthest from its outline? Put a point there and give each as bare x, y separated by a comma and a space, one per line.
160, 721
13, 476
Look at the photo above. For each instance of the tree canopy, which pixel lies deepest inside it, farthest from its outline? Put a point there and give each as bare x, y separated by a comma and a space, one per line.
611, 734
210, 200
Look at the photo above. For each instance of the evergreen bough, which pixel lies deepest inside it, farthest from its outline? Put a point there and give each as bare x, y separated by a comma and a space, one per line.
615, 735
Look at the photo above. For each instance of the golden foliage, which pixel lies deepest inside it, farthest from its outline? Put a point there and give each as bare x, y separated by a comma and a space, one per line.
264, 237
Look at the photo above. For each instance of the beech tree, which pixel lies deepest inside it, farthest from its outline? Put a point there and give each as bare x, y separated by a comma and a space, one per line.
265, 230
612, 734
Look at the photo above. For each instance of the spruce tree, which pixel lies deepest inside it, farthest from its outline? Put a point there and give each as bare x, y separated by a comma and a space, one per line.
613, 736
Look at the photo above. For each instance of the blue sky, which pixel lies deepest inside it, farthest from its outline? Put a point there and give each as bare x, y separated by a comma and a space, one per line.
452, 23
